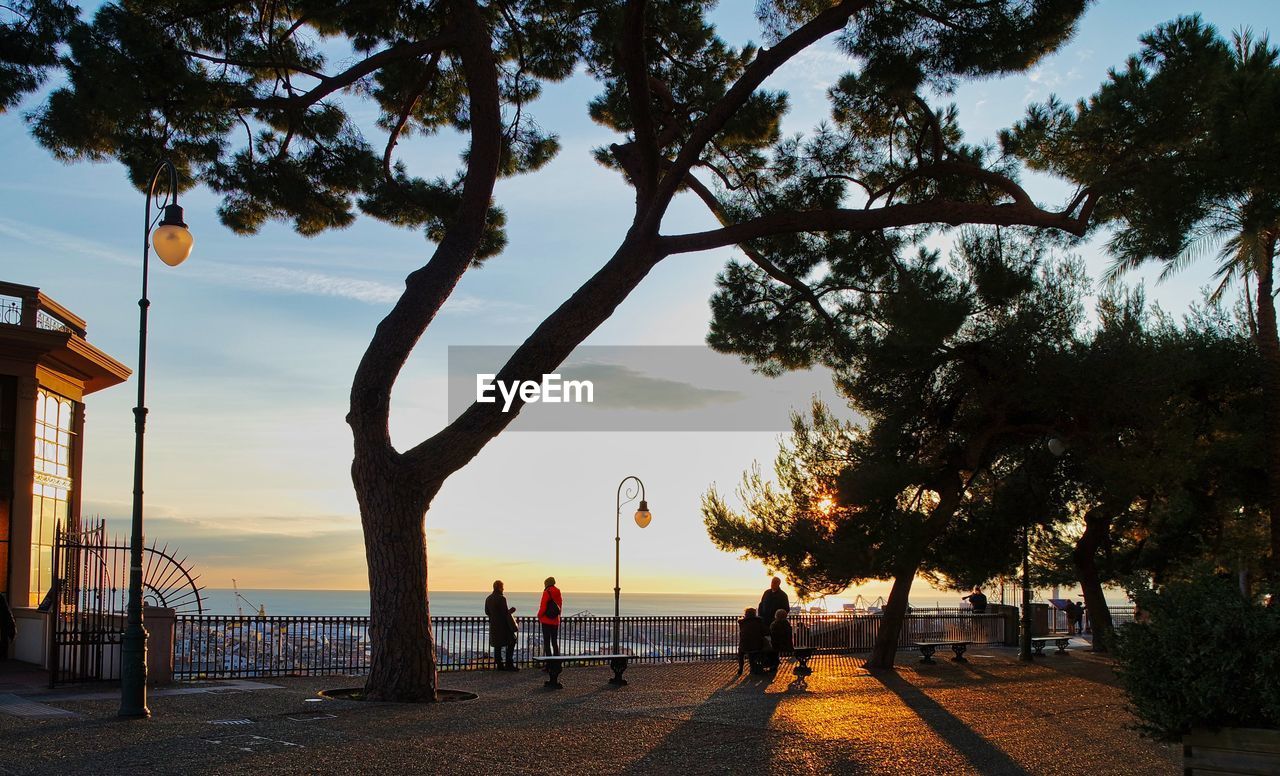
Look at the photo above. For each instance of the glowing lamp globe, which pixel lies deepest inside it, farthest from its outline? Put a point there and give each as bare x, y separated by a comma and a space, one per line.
171, 239
643, 516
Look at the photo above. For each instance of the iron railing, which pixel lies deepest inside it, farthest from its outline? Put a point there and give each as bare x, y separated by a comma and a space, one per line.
1119, 616
217, 646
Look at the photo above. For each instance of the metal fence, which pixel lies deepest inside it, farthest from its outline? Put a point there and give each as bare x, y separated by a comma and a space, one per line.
233, 646
1119, 616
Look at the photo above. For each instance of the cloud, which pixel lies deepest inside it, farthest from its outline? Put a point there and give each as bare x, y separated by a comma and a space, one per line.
286, 280
262, 279
816, 68
302, 282
54, 241
622, 388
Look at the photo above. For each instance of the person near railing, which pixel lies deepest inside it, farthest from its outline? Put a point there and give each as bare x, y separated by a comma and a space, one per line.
780, 640
751, 630
977, 599
8, 627
502, 628
774, 598
549, 609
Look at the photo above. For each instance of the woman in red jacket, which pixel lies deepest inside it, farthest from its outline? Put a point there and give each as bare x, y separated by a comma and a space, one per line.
549, 615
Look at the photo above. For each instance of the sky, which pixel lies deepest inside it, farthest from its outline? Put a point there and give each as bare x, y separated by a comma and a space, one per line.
253, 342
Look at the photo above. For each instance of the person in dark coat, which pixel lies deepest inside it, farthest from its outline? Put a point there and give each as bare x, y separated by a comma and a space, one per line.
8, 627
780, 642
978, 600
502, 628
780, 633
750, 640
773, 599
1070, 608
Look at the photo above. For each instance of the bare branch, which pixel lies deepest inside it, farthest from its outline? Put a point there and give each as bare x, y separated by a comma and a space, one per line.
772, 270
766, 62
249, 65
424, 85
330, 84
841, 220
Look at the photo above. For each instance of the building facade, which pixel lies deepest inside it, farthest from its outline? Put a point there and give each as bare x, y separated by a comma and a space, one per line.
47, 368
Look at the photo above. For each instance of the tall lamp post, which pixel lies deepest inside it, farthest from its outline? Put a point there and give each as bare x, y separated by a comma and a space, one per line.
1024, 641
642, 519
1057, 447
173, 244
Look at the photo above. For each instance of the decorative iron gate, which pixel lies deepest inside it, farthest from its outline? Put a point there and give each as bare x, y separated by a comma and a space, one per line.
90, 596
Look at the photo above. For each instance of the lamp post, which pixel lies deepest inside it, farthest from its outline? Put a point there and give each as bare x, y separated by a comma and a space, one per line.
1057, 447
1024, 641
642, 519
173, 245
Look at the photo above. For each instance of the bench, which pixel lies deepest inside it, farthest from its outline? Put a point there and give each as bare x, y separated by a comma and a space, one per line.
1038, 643
767, 660
927, 648
555, 664
803, 655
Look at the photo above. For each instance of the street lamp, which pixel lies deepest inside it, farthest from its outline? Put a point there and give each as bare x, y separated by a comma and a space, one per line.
1024, 642
173, 245
1057, 447
643, 516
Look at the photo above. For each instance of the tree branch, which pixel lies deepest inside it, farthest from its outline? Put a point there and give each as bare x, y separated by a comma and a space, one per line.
247, 65
423, 86
330, 84
766, 62
636, 70
772, 270
840, 220
427, 288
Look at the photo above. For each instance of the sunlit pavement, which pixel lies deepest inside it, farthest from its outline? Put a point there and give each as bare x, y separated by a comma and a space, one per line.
1062, 715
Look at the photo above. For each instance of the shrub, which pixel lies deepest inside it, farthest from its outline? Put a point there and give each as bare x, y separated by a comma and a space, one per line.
1205, 658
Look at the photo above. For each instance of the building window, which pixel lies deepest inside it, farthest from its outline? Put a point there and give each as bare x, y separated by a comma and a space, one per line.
52, 485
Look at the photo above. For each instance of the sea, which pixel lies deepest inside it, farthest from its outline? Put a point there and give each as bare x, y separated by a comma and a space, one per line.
309, 603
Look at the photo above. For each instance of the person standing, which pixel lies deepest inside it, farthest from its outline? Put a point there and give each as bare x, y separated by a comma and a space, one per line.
8, 627
773, 599
1080, 618
502, 628
978, 600
549, 610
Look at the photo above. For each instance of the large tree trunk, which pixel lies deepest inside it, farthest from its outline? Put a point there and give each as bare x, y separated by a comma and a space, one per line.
1269, 349
895, 609
893, 616
403, 656
1097, 531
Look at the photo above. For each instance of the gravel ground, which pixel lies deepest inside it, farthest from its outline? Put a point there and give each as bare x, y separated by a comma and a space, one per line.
1062, 715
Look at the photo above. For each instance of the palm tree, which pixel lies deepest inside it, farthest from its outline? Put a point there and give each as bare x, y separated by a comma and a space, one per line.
1241, 231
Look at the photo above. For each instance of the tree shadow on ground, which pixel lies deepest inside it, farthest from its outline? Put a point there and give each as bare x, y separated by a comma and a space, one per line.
731, 727
985, 756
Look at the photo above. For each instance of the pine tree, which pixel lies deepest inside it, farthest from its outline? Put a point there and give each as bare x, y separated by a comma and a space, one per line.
1182, 147
243, 98
950, 370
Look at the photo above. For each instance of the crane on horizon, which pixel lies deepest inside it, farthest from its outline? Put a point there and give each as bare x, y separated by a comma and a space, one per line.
262, 609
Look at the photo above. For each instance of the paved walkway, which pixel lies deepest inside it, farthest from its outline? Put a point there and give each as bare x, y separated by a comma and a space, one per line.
1063, 715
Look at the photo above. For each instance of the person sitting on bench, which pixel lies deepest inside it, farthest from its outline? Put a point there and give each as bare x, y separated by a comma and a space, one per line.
750, 640
779, 639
